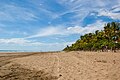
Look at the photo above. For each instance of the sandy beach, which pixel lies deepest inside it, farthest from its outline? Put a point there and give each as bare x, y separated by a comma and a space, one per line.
60, 66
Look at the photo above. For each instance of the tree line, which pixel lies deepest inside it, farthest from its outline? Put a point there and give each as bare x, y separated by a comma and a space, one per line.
104, 40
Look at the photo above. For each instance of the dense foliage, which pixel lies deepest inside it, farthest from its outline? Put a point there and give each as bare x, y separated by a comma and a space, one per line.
107, 39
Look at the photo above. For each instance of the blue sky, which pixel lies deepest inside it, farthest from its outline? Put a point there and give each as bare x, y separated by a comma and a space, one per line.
46, 25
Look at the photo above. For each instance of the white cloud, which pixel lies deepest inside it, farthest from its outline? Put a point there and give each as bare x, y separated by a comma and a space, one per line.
24, 44
12, 12
14, 41
87, 29
113, 12
83, 8
61, 30
47, 32
110, 14
116, 8
20, 42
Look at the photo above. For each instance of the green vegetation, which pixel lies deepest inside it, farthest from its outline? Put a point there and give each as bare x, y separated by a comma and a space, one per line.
107, 39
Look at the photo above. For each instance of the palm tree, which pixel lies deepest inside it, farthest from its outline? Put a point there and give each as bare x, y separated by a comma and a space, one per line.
109, 38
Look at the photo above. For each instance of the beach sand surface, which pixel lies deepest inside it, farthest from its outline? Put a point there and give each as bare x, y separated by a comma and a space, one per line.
75, 65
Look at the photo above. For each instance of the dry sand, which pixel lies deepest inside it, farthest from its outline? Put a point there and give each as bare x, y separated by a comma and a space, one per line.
60, 66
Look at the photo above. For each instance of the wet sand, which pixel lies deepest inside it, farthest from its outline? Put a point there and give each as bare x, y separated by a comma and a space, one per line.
60, 66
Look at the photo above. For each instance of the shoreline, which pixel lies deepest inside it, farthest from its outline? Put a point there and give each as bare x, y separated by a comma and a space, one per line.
27, 53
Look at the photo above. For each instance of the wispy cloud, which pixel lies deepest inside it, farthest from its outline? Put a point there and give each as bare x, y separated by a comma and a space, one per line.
14, 41
47, 32
20, 42
113, 13
11, 12
58, 30
87, 29
24, 44
83, 8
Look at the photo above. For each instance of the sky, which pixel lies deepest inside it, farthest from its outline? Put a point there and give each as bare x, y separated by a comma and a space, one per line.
51, 25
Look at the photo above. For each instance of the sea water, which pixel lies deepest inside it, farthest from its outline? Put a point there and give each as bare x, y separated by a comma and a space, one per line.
18, 51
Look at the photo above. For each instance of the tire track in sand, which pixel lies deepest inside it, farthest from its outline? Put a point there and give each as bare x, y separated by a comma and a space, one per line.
55, 67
